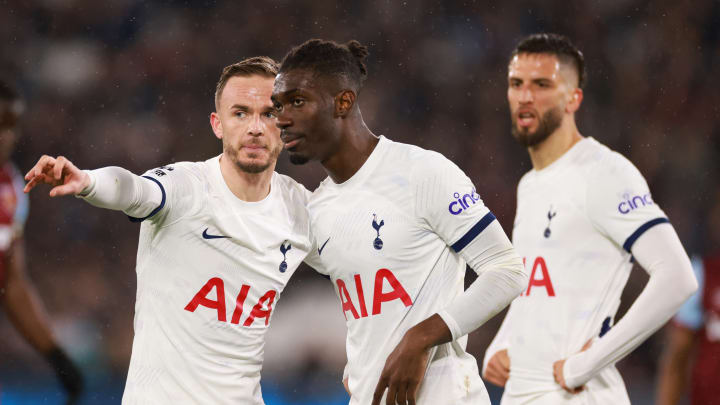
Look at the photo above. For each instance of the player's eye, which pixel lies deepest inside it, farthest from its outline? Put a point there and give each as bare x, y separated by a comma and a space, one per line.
298, 102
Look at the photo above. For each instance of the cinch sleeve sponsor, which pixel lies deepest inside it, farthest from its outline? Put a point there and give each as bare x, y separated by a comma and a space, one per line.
447, 201
619, 202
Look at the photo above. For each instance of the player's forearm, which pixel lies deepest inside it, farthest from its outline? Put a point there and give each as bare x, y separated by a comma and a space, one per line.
502, 278
671, 282
670, 385
27, 314
674, 365
118, 189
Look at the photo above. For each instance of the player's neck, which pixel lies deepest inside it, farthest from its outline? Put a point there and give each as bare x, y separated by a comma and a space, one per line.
250, 187
556, 145
356, 145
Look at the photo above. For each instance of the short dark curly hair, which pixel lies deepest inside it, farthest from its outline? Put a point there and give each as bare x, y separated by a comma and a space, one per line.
329, 58
554, 44
11, 105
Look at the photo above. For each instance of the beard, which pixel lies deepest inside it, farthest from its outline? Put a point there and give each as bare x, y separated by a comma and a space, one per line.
547, 124
253, 167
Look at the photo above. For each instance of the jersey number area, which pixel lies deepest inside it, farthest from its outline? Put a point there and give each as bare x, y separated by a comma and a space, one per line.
262, 309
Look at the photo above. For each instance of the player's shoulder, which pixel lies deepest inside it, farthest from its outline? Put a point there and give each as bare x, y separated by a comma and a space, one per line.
417, 155
291, 189
420, 162
599, 162
190, 170
525, 179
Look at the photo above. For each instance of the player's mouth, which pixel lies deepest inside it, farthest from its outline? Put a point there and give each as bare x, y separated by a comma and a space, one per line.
291, 140
253, 147
526, 117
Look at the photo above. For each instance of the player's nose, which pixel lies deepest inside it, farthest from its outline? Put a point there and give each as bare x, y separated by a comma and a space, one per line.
283, 121
255, 127
526, 96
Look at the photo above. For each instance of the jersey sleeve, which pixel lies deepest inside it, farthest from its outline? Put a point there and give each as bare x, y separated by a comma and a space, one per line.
180, 186
447, 202
619, 202
691, 314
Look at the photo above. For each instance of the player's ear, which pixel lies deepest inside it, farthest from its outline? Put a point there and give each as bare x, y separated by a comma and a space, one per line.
576, 97
344, 102
216, 125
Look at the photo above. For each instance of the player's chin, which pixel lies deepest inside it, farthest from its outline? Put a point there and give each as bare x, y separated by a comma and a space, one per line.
524, 135
298, 158
255, 165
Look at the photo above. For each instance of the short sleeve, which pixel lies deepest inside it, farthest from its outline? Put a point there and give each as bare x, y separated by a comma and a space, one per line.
447, 202
180, 186
619, 202
691, 314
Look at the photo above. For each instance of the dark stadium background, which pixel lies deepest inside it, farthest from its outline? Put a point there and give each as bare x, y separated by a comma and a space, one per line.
129, 83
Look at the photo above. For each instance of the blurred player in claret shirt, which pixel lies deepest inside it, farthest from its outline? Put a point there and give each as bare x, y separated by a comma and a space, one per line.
394, 226
584, 215
19, 298
219, 240
693, 338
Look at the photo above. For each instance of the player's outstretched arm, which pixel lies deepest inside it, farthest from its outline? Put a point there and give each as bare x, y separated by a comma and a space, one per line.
60, 173
661, 254
25, 310
108, 187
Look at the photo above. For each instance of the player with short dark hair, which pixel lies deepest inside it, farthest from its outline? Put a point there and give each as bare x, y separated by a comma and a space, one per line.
218, 242
19, 298
560, 46
395, 226
584, 215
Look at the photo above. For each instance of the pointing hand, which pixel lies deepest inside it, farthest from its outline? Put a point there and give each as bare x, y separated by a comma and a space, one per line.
58, 172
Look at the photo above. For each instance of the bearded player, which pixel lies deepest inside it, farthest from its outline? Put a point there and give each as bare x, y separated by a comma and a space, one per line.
218, 242
19, 298
584, 215
394, 227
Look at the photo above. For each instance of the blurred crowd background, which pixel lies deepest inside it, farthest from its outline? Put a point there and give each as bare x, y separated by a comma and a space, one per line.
130, 83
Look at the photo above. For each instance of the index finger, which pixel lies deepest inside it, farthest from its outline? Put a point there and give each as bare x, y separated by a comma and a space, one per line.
43, 163
379, 390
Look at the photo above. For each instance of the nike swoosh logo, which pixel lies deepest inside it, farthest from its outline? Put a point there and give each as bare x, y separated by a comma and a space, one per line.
208, 236
320, 249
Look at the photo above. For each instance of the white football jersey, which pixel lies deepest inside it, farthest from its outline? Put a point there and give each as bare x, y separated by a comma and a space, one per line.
388, 238
210, 270
575, 225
